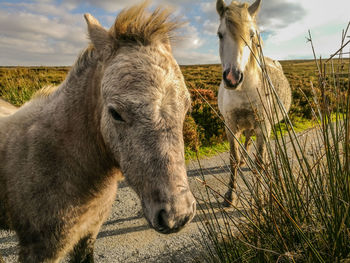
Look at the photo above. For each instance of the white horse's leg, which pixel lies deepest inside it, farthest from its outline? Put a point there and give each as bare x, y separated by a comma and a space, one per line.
248, 142
262, 134
234, 162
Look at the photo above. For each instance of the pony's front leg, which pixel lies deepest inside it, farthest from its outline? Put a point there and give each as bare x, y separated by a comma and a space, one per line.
83, 252
234, 163
37, 254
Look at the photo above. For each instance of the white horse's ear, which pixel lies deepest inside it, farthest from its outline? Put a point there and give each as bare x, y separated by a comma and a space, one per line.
99, 36
254, 8
220, 7
167, 45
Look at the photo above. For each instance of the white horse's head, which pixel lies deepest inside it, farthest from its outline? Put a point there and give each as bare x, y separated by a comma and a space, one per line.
236, 33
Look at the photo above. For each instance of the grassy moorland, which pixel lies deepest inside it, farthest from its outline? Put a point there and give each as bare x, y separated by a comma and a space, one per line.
203, 129
18, 84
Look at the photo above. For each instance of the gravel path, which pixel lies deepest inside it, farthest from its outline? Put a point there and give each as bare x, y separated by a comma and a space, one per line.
126, 236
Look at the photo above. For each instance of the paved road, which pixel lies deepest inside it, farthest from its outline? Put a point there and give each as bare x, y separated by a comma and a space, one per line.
126, 236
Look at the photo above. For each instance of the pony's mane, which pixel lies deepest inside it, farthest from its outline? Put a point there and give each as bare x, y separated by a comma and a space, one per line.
137, 25
44, 92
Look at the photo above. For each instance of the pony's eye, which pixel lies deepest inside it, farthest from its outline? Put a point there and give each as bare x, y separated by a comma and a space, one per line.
115, 114
220, 36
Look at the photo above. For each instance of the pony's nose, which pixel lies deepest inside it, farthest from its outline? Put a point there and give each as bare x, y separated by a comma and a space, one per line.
232, 77
171, 221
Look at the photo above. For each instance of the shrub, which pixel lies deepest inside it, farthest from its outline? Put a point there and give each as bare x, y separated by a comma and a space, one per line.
190, 133
209, 123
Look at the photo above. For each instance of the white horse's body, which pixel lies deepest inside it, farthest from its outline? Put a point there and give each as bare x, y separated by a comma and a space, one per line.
229, 100
243, 98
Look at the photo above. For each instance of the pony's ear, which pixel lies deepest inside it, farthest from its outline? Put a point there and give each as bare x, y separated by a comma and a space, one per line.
220, 7
99, 36
254, 8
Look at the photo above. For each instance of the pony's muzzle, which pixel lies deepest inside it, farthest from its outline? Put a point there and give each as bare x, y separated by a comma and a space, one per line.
232, 78
173, 217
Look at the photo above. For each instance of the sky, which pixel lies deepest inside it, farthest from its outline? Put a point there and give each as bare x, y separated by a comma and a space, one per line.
53, 32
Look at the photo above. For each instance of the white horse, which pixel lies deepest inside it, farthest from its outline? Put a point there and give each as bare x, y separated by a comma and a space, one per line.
242, 96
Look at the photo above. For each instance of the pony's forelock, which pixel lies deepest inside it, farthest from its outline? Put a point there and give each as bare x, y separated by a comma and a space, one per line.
135, 24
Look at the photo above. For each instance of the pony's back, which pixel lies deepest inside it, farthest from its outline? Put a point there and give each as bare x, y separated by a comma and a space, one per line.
6, 108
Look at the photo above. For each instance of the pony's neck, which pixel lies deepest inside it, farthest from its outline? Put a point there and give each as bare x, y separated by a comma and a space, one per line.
82, 109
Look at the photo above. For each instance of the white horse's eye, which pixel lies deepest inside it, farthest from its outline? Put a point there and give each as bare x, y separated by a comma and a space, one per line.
220, 35
252, 33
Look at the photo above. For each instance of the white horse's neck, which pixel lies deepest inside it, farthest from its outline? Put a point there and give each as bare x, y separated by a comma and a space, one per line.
252, 77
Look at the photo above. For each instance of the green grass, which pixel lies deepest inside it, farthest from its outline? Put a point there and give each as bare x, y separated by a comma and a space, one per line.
206, 151
299, 124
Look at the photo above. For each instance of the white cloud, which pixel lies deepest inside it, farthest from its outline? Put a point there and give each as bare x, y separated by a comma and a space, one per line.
325, 22
195, 57
109, 6
185, 49
114, 6
208, 7
210, 27
50, 32
189, 38
33, 32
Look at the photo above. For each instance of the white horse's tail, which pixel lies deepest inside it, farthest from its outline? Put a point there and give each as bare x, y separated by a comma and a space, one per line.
6, 108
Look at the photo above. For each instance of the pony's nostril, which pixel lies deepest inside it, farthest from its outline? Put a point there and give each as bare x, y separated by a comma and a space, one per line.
160, 220
186, 219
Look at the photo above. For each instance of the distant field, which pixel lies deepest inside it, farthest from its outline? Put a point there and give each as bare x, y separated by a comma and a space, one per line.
17, 84
203, 127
